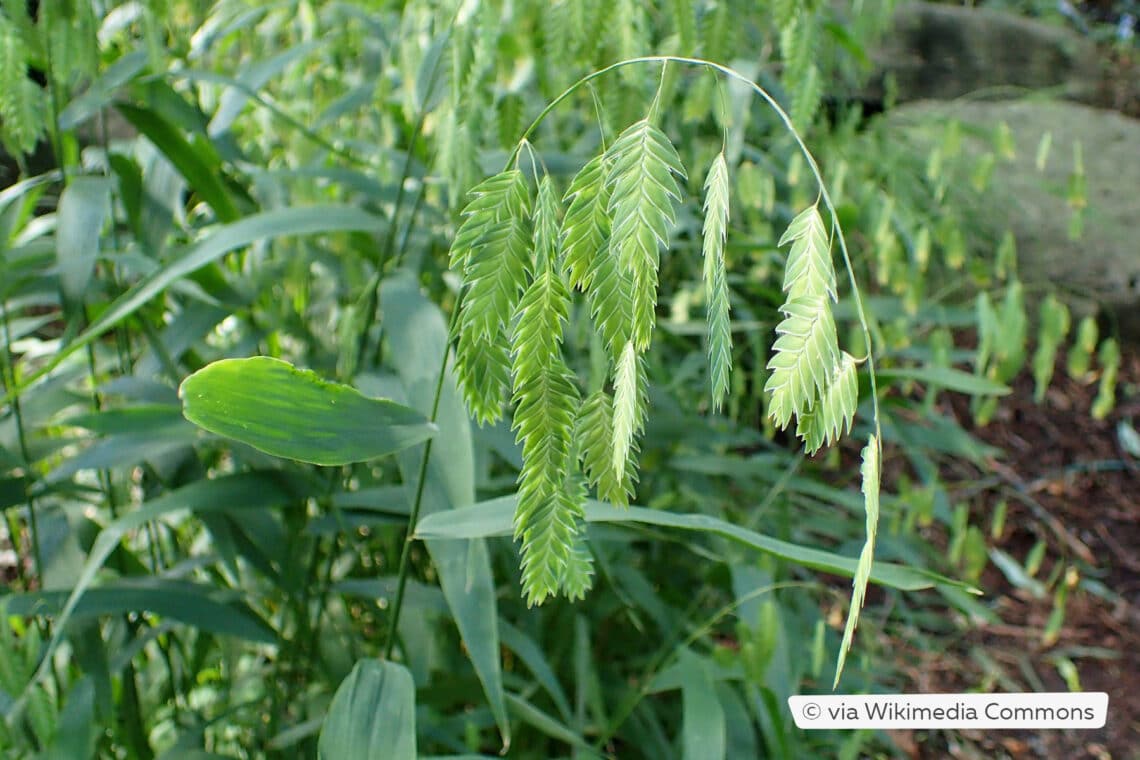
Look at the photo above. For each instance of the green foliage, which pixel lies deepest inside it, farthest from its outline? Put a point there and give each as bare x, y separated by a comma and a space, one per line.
319, 573
289, 413
21, 120
1109, 357
373, 713
1055, 323
1080, 354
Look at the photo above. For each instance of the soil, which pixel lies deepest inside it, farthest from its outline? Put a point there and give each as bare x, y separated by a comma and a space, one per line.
1068, 480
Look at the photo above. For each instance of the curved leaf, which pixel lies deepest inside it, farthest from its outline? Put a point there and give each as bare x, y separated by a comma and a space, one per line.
493, 518
274, 407
83, 207
199, 605
948, 378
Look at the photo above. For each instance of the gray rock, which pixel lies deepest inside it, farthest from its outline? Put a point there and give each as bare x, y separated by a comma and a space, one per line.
1102, 266
942, 52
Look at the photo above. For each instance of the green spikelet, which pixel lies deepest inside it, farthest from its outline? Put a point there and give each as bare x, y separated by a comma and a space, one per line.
719, 32
870, 470
586, 228
716, 281
684, 17
546, 400
492, 249
812, 380
643, 172
578, 576
595, 436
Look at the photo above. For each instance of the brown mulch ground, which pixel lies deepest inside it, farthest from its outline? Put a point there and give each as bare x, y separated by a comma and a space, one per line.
1066, 480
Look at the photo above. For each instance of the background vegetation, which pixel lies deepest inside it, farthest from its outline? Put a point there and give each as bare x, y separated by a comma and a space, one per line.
219, 556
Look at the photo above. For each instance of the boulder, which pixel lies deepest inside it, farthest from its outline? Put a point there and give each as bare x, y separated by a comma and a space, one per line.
1102, 266
941, 52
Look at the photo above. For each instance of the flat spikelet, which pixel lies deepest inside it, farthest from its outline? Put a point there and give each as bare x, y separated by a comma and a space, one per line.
716, 280
870, 471
586, 228
806, 356
595, 438
812, 381
643, 171
809, 270
492, 250
834, 411
546, 407
626, 404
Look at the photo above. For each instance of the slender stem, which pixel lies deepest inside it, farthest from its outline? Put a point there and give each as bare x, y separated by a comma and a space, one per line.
414, 517
8, 378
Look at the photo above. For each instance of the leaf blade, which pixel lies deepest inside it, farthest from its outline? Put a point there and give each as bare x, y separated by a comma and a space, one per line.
373, 714
280, 410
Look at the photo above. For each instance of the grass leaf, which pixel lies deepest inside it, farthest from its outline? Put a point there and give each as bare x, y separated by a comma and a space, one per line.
274, 407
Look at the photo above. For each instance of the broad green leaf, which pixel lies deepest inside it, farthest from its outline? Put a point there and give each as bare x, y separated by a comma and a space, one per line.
1015, 573
427, 90
274, 407
494, 518
132, 435
126, 449
202, 606
143, 418
740, 736
252, 79
83, 207
417, 335
372, 715
935, 433
548, 725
